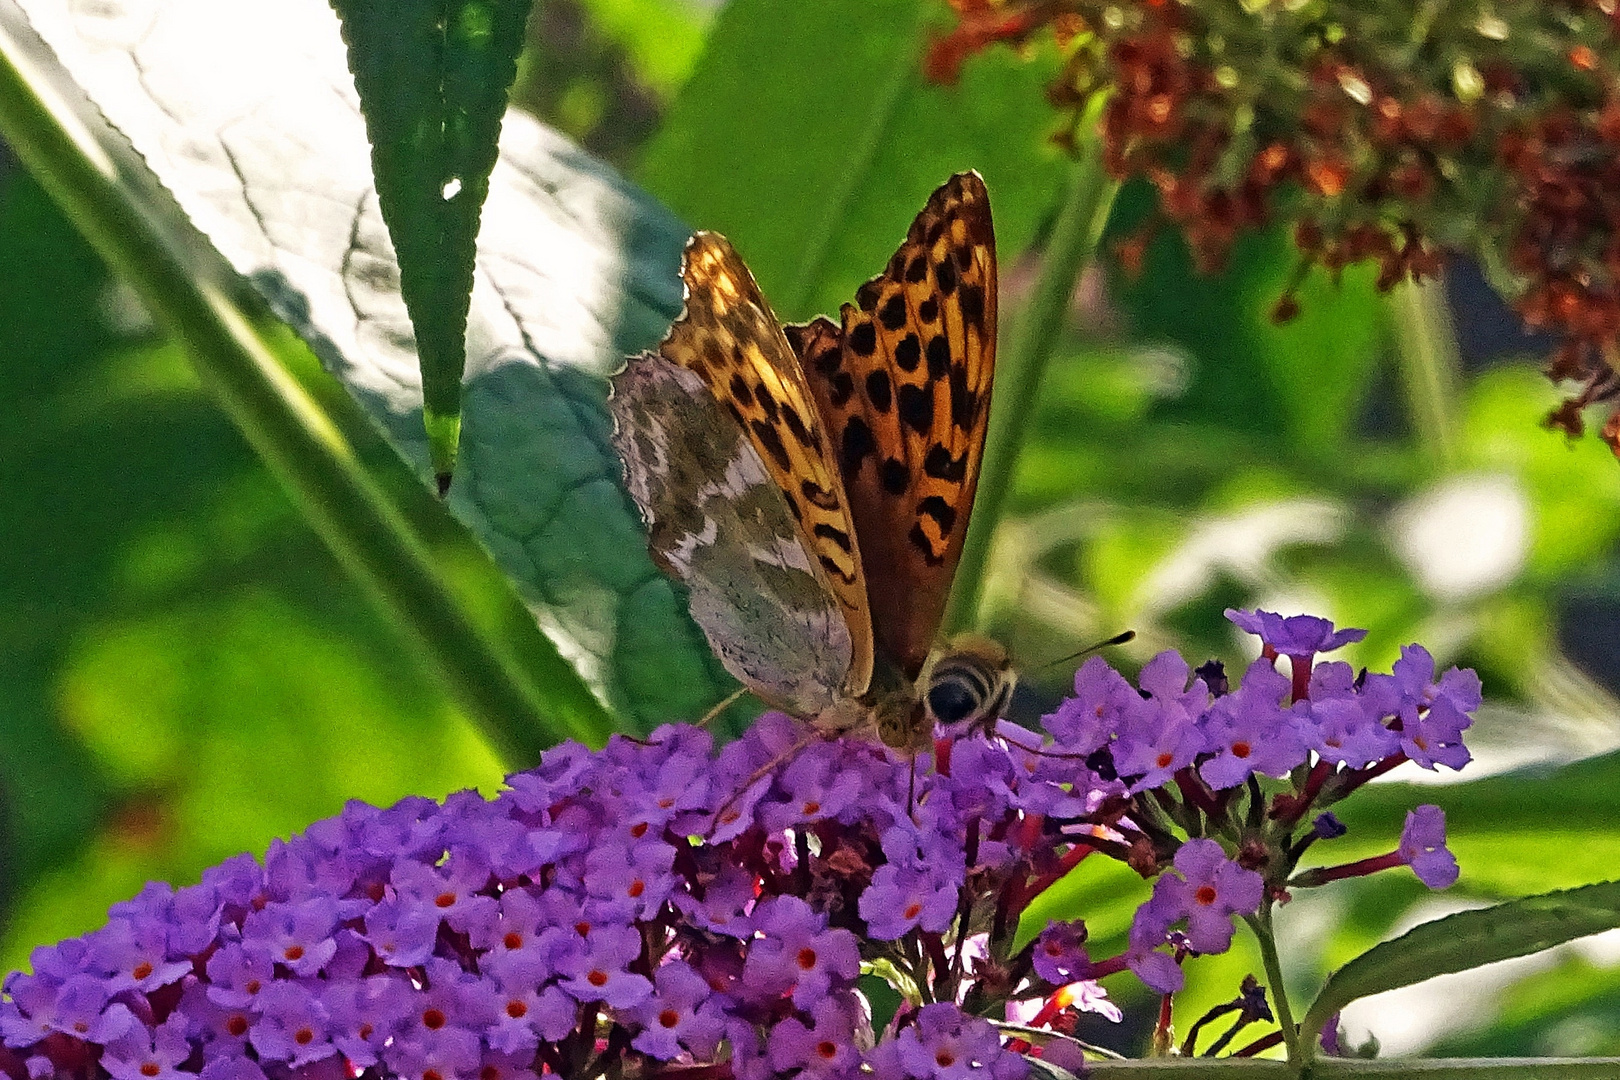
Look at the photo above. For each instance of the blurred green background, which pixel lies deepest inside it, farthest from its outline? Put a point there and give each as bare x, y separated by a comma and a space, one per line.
187, 672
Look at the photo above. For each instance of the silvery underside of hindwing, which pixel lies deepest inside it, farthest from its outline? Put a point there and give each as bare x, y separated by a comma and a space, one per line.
718, 523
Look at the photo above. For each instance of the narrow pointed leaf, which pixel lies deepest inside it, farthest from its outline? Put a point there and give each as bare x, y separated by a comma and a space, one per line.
1468, 940
433, 77
254, 127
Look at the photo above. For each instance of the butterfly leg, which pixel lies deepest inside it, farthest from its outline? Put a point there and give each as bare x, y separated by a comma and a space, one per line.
725, 703
763, 771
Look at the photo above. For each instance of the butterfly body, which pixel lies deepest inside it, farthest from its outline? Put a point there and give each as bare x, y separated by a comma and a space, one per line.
811, 485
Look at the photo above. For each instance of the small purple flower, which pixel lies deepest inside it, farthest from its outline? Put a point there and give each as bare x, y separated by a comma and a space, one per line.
1102, 704
237, 972
797, 952
133, 950
1060, 953
681, 1015
595, 968
947, 1044
1412, 682
149, 1055
446, 1053
901, 899
723, 909
298, 935
1215, 888
1341, 731
527, 1011
402, 933
1423, 847
1250, 732
77, 1006
364, 1014
452, 891
1150, 927
1435, 737
633, 881
826, 1048
1295, 635
292, 1026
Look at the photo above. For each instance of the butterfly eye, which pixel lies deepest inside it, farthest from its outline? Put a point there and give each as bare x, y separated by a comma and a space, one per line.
953, 698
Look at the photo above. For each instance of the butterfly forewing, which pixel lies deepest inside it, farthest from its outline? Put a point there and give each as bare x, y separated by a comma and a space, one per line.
903, 387
718, 522
731, 340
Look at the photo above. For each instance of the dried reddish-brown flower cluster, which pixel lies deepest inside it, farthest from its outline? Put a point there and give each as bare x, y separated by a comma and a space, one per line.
1394, 131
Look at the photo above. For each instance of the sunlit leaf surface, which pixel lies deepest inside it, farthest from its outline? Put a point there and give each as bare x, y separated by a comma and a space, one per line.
247, 114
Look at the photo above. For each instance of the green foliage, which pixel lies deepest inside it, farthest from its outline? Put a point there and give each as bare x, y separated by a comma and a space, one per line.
433, 78
1186, 455
811, 148
1467, 940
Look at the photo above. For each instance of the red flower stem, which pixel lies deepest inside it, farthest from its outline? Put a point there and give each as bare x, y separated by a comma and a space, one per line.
1301, 667
1265, 1042
1360, 868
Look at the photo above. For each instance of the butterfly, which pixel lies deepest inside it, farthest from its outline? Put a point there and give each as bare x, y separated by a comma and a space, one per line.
811, 484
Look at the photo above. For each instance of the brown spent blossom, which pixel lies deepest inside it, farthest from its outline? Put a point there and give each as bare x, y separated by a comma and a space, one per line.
1392, 132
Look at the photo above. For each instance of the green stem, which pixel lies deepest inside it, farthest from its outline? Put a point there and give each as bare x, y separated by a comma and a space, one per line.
1426, 344
1019, 371
119, 208
1261, 925
1357, 1069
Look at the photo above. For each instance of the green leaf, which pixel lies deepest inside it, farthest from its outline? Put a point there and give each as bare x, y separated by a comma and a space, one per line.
1468, 940
433, 77
575, 269
810, 137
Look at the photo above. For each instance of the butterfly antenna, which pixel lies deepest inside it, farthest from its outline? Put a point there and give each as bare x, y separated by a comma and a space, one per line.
1117, 639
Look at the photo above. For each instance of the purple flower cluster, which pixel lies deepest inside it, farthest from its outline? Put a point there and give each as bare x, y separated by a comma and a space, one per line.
660, 907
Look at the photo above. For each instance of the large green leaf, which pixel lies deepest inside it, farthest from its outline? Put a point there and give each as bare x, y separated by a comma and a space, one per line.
433, 77
1468, 940
809, 136
264, 149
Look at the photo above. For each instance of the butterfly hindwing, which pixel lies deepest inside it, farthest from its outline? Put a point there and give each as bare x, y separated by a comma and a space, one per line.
903, 387
730, 339
719, 523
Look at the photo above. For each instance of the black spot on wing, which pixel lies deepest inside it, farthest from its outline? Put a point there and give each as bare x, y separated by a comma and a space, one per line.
767, 437
866, 297
893, 312
920, 541
854, 446
863, 339
795, 424
908, 353
945, 274
972, 301
895, 476
928, 310
943, 513
843, 385
817, 495
879, 391
767, 404
916, 407
836, 535
740, 391
917, 269
964, 402
940, 465
939, 357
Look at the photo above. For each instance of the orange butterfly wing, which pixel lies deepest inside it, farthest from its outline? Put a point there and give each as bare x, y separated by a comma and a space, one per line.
730, 338
903, 389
